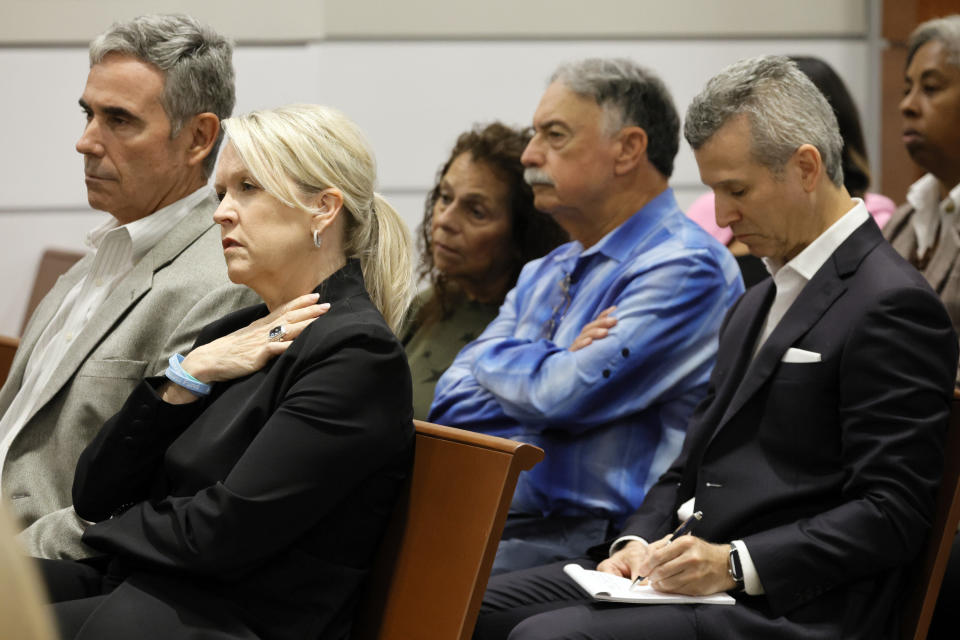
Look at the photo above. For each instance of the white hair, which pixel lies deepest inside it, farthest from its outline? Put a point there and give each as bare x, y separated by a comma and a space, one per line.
944, 30
785, 110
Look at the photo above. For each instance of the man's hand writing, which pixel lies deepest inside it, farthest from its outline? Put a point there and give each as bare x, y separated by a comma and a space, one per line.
688, 565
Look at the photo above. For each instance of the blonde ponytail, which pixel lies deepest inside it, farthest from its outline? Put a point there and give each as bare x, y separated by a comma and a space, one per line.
388, 263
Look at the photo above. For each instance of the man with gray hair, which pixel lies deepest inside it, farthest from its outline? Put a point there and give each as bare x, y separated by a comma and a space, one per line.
926, 230
157, 89
603, 349
814, 460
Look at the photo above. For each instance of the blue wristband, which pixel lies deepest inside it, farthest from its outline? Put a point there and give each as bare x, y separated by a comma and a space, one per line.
180, 377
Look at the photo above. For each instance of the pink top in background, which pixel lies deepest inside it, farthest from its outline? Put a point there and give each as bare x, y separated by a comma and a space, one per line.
702, 212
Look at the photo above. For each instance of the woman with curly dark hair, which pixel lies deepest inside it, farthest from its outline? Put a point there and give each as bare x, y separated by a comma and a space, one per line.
479, 229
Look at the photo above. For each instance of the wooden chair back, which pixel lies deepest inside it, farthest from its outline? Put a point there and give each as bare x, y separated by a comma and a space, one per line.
918, 610
53, 264
8, 349
432, 569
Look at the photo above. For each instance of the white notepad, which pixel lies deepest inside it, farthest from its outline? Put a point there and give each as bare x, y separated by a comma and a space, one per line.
611, 588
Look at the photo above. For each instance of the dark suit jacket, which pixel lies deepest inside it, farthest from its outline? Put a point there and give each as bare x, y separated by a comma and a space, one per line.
268, 497
828, 470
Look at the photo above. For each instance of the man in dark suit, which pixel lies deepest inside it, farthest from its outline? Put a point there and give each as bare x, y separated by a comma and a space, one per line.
816, 455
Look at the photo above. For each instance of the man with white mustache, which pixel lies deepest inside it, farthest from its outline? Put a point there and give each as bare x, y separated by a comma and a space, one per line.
603, 349
157, 89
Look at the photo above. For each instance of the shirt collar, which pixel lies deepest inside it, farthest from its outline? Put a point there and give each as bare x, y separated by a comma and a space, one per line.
814, 255
924, 195
146, 232
96, 235
620, 243
929, 209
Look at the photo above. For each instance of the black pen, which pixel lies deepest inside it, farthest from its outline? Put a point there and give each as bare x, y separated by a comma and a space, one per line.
683, 529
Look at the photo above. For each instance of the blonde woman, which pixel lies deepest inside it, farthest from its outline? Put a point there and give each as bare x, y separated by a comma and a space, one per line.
244, 495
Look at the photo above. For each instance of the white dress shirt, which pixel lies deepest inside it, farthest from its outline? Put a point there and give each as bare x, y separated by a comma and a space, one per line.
116, 250
789, 280
932, 214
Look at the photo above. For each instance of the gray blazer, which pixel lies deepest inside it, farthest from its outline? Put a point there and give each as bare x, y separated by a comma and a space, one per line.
157, 309
943, 270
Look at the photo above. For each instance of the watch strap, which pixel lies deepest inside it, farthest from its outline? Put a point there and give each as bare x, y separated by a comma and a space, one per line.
735, 568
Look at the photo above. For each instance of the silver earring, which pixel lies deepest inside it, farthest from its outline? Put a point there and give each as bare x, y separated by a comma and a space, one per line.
317, 240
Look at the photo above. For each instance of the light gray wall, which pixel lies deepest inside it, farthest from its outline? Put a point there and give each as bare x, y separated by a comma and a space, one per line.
413, 86
73, 21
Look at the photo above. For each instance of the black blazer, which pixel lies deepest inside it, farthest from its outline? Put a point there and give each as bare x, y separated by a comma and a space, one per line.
827, 470
268, 497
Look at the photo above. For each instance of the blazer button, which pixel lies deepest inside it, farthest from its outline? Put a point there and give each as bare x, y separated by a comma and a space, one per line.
606, 373
625, 353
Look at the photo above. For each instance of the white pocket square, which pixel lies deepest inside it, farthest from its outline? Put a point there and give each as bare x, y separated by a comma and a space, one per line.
800, 356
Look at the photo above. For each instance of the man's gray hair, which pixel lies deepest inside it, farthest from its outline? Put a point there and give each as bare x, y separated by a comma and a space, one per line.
196, 62
629, 95
944, 30
783, 106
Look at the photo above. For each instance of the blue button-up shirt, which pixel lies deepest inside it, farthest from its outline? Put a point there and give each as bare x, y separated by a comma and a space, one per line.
611, 416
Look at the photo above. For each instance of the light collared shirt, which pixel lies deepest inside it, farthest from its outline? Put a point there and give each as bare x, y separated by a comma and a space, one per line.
931, 213
789, 280
612, 415
116, 250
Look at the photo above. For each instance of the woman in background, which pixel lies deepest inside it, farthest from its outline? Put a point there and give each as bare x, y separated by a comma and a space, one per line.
245, 495
479, 228
856, 165
856, 168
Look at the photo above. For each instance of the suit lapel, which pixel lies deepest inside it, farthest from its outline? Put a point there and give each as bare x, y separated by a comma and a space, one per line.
941, 264
904, 240
809, 306
898, 231
131, 288
733, 357
741, 336
817, 296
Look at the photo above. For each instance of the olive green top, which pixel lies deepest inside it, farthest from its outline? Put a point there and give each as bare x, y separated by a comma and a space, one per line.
431, 349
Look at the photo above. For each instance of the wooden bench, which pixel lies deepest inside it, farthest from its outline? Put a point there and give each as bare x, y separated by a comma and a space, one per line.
8, 349
53, 264
432, 569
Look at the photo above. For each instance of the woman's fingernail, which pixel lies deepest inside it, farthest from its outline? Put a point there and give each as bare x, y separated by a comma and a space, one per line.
325, 306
